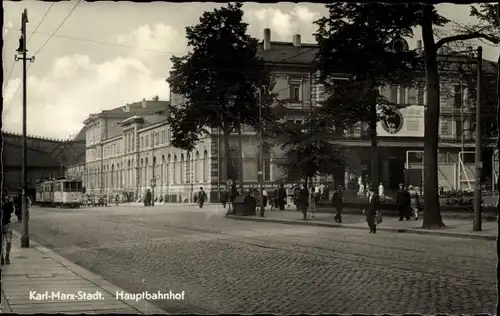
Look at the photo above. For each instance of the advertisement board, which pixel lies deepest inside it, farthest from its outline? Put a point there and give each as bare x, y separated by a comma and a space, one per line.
405, 122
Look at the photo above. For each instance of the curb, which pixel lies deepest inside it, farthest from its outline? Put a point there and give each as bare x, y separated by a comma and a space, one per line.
388, 229
143, 307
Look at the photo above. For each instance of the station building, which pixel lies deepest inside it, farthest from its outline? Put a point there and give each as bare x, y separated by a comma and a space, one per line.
128, 148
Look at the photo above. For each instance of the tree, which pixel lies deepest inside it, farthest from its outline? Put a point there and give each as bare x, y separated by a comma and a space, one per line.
308, 150
219, 81
429, 19
354, 40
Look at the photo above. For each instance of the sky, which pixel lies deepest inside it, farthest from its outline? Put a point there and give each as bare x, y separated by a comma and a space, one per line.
106, 54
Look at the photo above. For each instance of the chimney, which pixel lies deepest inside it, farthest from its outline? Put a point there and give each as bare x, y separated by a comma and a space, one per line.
296, 40
267, 39
144, 103
419, 47
156, 98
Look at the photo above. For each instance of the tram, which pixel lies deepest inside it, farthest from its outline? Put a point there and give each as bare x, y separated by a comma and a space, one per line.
59, 192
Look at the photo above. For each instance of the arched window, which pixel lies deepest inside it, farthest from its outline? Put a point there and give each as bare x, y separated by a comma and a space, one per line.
162, 170
112, 182
205, 166
141, 172
196, 167
133, 173
188, 168
146, 173
154, 174
121, 174
167, 172
175, 170
128, 174
181, 169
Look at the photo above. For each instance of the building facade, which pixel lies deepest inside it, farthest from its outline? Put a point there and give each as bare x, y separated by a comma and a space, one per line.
128, 148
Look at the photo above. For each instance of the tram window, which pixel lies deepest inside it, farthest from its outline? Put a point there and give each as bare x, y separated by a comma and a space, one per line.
79, 187
58, 187
67, 187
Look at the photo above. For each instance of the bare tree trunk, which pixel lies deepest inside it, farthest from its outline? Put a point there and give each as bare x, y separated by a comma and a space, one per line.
432, 214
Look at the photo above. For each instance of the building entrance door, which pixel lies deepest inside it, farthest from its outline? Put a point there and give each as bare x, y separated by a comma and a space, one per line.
396, 172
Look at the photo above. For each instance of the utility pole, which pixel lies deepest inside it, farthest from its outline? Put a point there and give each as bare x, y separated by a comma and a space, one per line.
478, 159
25, 242
261, 157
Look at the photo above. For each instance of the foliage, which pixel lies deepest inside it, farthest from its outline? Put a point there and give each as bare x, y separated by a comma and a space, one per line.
355, 41
308, 149
219, 79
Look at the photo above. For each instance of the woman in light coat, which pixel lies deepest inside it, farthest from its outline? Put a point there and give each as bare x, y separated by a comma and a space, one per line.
414, 201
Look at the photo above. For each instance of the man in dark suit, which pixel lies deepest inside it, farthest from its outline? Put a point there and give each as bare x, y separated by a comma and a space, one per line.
337, 202
371, 209
403, 202
281, 197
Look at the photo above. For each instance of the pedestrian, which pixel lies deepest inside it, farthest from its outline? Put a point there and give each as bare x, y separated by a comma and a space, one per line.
264, 198
303, 200
224, 197
312, 202
147, 198
337, 203
281, 197
7, 208
403, 202
414, 202
117, 200
381, 190
371, 209
202, 196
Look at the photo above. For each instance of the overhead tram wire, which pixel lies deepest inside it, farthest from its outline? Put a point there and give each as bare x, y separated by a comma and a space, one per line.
109, 43
48, 39
34, 31
57, 29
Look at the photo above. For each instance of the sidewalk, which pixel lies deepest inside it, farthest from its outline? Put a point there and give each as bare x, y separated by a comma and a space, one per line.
38, 270
454, 227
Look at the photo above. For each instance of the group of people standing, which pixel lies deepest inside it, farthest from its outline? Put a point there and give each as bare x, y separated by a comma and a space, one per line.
408, 202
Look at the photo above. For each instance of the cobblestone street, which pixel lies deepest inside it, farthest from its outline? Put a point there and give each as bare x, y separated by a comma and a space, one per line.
228, 266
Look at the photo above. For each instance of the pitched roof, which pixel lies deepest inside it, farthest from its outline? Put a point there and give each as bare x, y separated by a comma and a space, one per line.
285, 52
132, 109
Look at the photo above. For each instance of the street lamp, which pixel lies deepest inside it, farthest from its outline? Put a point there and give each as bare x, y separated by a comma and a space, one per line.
22, 51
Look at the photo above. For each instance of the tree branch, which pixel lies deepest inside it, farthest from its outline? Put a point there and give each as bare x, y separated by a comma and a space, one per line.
464, 37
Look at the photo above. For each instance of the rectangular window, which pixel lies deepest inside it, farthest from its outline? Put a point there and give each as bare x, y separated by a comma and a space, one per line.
142, 142
445, 127
394, 94
420, 95
146, 142
412, 96
402, 95
295, 93
157, 139
457, 96
459, 128
67, 186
